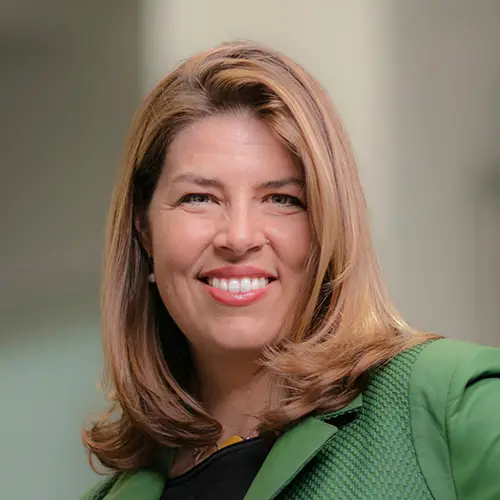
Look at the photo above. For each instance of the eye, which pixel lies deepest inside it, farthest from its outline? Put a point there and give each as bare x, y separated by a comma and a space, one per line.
285, 200
196, 199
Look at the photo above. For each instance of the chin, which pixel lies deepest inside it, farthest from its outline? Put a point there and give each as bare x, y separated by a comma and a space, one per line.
241, 339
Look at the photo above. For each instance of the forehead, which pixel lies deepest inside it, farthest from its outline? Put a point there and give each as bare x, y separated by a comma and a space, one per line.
230, 146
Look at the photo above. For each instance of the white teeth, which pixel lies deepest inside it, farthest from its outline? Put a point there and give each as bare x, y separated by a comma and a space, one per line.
238, 285
234, 286
246, 285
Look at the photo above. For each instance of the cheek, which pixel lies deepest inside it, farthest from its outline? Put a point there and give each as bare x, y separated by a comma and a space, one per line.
178, 242
292, 239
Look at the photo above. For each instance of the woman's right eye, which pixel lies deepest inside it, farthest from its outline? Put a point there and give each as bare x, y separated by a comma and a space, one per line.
195, 199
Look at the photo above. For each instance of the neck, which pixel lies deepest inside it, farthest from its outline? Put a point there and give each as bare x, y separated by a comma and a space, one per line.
233, 390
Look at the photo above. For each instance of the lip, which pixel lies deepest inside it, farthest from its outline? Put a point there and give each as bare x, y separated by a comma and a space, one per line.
237, 272
241, 299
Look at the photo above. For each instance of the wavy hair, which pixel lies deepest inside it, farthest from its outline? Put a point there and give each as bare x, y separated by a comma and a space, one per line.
345, 327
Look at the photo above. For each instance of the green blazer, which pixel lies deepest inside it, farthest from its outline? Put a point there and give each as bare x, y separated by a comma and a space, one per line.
427, 426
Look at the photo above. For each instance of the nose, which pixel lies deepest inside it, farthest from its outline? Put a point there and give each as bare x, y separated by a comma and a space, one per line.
240, 232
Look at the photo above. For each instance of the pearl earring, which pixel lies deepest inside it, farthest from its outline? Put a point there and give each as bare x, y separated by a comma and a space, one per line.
151, 276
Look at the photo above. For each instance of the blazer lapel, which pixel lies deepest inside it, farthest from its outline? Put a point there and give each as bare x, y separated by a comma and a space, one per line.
287, 457
294, 450
146, 484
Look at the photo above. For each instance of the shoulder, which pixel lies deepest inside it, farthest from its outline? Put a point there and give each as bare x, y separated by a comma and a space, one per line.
447, 370
100, 489
454, 398
447, 363
145, 484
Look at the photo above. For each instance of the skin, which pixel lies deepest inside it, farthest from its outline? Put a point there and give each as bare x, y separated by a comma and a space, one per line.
216, 205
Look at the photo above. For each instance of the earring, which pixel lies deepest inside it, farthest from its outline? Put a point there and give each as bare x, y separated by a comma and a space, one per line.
151, 276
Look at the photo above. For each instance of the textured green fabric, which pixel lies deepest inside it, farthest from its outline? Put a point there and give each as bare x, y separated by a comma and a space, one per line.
373, 455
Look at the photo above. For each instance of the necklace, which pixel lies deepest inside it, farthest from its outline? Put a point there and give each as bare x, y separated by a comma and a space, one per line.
201, 453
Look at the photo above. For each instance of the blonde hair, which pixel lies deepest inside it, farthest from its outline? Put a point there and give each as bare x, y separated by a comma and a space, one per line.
345, 326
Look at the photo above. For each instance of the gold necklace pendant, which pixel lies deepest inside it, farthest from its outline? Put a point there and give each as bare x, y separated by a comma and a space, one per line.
200, 454
232, 440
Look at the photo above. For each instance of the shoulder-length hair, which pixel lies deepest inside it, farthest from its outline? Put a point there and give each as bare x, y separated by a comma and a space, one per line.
345, 326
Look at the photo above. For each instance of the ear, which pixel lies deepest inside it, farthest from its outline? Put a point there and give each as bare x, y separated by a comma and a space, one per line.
143, 233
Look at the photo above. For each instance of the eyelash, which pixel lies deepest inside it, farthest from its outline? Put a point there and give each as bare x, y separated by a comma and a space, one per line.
294, 201
188, 197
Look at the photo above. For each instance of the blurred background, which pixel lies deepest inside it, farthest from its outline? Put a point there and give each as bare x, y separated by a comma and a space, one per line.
417, 84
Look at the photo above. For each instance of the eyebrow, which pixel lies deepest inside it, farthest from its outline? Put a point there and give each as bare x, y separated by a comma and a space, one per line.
214, 182
197, 179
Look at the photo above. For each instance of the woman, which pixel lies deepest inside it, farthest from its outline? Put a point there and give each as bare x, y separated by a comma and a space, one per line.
252, 350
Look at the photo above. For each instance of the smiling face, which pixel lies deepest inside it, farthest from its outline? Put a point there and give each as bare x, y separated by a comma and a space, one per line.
229, 233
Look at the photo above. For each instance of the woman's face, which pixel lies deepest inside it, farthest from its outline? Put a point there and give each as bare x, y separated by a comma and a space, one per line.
229, 234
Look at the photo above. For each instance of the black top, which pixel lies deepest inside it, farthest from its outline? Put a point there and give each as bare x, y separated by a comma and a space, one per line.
225, 475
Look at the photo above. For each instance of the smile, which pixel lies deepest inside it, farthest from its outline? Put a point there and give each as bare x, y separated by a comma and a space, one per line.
237, 286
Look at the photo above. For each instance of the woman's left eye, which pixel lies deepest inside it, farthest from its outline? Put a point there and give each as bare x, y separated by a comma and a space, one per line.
285, 200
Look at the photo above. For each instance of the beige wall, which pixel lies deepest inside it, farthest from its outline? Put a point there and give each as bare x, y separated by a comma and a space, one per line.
343, 44
445, 71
